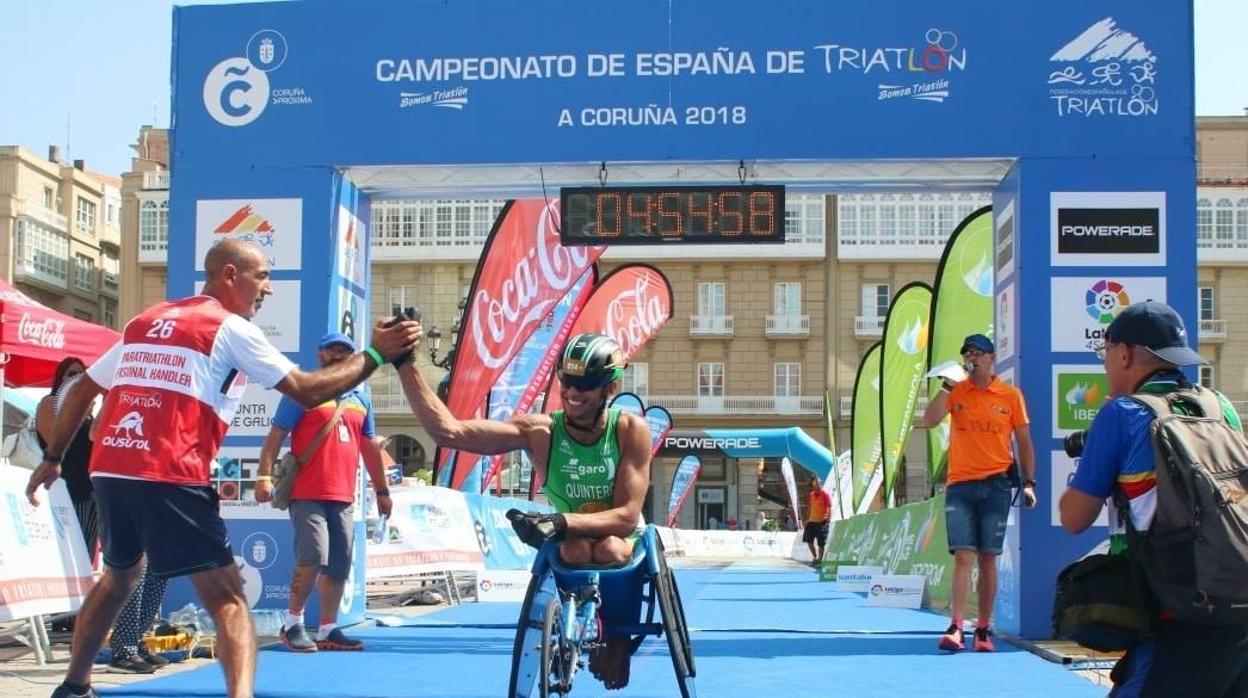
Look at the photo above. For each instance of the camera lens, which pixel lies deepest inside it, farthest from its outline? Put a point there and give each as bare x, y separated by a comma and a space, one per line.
1073, 443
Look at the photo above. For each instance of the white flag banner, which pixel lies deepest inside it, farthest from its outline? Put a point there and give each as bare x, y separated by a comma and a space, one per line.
786, 469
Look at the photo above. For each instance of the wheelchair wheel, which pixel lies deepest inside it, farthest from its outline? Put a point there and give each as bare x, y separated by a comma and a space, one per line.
558, 655
667, 597
526, 653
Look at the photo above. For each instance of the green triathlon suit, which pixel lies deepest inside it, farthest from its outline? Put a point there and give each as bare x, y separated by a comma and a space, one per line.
580, 478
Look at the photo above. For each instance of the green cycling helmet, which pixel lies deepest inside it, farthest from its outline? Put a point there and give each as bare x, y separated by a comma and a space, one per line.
591, 361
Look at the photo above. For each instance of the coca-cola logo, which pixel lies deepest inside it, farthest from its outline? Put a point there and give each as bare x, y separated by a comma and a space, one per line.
48, 333
540, 278
636, 315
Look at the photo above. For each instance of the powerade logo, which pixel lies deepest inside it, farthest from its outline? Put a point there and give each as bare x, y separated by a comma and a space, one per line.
1108, 231
237, 91
1105, 300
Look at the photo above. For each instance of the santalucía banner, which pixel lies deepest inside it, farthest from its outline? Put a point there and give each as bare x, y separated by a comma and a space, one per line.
901, 373
961, 306
864, 423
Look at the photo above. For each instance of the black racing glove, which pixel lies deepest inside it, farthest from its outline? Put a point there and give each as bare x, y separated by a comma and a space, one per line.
535, 529
408, 356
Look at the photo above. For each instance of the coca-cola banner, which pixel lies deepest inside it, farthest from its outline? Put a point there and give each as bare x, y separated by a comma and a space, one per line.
523, 272
36, 338
529, 372
630, 305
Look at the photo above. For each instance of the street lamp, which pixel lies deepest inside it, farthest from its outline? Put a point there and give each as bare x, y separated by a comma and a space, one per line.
435, 335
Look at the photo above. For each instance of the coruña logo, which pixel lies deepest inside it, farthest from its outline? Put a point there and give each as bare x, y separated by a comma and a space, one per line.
236, 92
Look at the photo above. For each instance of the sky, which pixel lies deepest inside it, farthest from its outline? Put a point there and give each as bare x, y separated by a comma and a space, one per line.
102, 70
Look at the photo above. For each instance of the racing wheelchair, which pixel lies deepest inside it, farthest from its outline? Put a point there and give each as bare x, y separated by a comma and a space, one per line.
568, 611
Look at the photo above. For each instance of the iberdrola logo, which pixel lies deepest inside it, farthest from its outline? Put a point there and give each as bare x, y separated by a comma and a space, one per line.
979, 278
1083, 395
914, 338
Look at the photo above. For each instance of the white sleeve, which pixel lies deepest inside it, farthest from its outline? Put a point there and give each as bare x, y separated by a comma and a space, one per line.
104, 367
245, 347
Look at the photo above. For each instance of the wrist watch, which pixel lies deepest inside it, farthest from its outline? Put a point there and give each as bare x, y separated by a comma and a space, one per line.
384, 492
1029, 483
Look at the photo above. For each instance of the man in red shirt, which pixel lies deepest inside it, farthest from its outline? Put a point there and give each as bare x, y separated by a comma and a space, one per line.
322, 502
818, 514
174, 383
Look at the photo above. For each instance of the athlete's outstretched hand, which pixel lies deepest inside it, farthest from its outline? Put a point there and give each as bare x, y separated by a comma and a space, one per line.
396, 339
535, 529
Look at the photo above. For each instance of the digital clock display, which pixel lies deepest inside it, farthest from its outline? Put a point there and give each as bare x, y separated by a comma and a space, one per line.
671, 215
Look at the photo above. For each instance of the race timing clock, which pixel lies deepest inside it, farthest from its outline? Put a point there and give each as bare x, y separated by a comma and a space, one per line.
672, 215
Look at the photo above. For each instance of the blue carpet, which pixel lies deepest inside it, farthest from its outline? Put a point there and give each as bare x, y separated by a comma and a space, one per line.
829, 641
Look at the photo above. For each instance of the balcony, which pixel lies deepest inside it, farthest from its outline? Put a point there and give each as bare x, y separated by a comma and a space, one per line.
711, 326
1213, 331
1221, 174
157, 179
108, 283
797, 326
48, 217
740, 405
868, 327
847, 406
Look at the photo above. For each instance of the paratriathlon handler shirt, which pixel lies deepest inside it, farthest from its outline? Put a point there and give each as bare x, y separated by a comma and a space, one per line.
174, 382
329, 474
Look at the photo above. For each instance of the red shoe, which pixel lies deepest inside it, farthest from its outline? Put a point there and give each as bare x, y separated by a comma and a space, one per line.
952, 640
983, 640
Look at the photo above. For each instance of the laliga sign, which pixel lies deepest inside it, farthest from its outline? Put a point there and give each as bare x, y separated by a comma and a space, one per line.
48, 333
500, 322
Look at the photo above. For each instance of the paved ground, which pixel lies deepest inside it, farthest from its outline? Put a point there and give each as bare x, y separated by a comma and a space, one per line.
22, 677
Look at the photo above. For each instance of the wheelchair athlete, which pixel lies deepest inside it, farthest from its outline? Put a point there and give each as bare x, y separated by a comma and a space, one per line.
595, 463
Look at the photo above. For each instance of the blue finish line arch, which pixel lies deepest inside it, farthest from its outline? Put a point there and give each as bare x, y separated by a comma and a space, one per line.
790, 442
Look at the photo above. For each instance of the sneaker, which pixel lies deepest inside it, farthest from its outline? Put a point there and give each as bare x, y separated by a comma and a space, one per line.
64, 691
153, 658
337, 640
983, 640
132, 664
296, 639
952, 640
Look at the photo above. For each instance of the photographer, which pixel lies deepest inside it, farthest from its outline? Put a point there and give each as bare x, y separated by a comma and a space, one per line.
1144, 348
987, 414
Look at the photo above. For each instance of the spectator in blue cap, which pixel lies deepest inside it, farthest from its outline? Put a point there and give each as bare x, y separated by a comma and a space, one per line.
328, 441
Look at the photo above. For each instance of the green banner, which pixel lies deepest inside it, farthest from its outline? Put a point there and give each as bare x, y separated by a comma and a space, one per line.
961, 306
906, 540
901, 373
864, 422
1081, 391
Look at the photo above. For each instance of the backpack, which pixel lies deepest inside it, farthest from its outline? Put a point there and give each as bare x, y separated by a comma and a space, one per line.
1195, 553
1102, 603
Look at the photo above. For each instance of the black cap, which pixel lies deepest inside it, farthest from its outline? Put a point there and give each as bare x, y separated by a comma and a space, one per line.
980, 342
1156, 327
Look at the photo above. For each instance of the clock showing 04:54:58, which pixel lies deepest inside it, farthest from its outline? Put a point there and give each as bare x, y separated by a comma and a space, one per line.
672, 215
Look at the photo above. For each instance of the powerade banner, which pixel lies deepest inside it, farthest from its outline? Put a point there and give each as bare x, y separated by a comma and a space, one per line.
901, 373
791, 442
786, 470
864, 423
687, 472
523, 273
529, 372
278, 81
629, 305
961, 306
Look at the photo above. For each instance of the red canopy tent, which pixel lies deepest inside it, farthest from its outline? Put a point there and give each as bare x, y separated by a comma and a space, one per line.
36, 338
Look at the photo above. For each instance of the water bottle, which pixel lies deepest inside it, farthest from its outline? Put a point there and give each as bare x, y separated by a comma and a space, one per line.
379, 531
268, 621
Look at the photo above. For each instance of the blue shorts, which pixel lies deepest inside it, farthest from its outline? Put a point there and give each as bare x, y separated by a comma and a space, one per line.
975, 514
178, 527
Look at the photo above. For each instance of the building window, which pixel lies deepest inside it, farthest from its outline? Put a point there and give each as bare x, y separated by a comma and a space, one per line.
788, 380
1206, 377
1224, 223
427, 223
84, 315
48, 197
804, 217
875, 300
924, 219
787, 300
1204, 223
110, 314
711, 380
1206, 303
84, 272
636, 380
86, 216
401, 297
154, 225
43, 252
110, 215
711, 299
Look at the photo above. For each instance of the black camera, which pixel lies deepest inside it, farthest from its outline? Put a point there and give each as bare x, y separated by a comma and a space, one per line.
1073, 443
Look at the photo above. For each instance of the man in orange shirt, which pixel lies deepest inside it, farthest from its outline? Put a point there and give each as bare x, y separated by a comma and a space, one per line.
987, 414
818, 513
